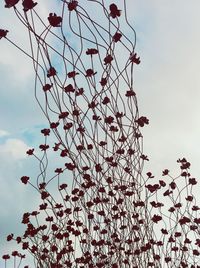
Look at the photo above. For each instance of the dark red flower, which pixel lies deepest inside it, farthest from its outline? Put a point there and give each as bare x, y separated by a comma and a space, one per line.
184, 220
164, 231
162, 183
79, 91
177, 234
197, 220
25, 245
165, 172
168, 192
76, 112
45, 238
80, 129
3, 33
28, 4
90, 72
149, 174
54, 248
54, 20
64, 153
25, 179
85, 168
185, 165
106, 100
114, 11
156, 204
144, 157
18, 239
156, 218
92, 105
72, 74
172, 185
193, 227
134, 58
96, 117
130, 93
152, 188
63, 115
45, 131
195, 208
58, 170
50, 72
67, 126
178, 205
47, 87
89, 146
142, 121
42, 185
15, 253
35, 213
6, 257
156, 257
10, 3
116, 37
103, 81
44, 147
114, 128
92, 51
197, 242
30, 152
196, 252
70, 166
44, 195
108, 59
54, 125
72, 5
139, 203
49, 218
69, 88
10, 237
192, 181
185, 174
168, 259
109, 119
171, 209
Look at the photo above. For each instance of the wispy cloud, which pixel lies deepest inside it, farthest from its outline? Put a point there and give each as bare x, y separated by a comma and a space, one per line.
4, 133
167, 81
13, 148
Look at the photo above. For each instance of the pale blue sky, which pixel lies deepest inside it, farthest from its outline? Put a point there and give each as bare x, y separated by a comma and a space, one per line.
167, 83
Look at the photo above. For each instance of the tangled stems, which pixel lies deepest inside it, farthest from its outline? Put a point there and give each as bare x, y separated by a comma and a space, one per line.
103, 210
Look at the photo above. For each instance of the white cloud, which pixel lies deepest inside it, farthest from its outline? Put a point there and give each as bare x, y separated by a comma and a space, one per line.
19, 65
14, 148
167, 81
4, 133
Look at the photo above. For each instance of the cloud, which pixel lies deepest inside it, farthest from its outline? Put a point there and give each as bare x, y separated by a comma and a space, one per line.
13, 148
15, 197
167, 80
4, 133
17, 73
20, 67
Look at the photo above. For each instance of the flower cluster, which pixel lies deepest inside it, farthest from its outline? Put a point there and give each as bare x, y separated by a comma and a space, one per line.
103, 211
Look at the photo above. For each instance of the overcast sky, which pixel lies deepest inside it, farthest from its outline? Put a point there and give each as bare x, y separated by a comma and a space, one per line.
167, 83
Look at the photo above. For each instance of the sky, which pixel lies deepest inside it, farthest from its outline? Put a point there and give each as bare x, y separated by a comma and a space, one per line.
167, 83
